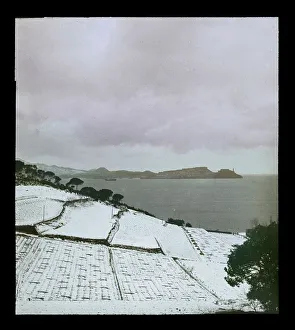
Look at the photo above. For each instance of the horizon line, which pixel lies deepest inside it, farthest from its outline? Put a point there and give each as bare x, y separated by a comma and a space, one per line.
91, 169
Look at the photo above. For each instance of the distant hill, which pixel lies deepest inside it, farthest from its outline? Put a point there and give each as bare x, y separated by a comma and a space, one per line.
57, 170
185, 173
226, 174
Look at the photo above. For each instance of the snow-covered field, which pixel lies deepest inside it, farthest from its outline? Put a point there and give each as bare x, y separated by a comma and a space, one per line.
58, 273
211, 275
214, 246
91, 220
33, 210
137, 229
54, 272
229, 239
51, 269
115, 307
21, 192
151, 276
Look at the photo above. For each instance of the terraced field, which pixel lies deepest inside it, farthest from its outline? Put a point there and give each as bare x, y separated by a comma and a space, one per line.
86, 254
22, 192
34, 210
148, 276
211, 275
137, 229
92, 220
51, 269
215, 247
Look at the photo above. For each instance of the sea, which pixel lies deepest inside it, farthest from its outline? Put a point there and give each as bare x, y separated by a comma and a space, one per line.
214, 204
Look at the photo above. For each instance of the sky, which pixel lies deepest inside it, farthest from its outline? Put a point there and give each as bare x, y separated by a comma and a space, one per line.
148, 93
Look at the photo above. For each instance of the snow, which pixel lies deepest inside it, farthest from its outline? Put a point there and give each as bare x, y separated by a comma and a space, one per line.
52, 269
215, 246
22, 192
136, 226
209, 269
212, 275
62, 276
34, 210
136, 232
145, 242
229, 239
115, 307
153, 276
90, 220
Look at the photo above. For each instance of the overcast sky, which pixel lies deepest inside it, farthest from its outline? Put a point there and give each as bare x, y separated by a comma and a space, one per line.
143, 93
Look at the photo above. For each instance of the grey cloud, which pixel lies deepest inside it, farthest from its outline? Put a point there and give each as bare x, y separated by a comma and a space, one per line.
178, 83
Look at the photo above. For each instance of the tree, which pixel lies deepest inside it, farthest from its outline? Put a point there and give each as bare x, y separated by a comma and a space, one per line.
57, 179
41, 174
188, 224
104, 194
177, 222
49, 175
30, 170
19, 165
76, 182
89, 191
256, 262
117, 198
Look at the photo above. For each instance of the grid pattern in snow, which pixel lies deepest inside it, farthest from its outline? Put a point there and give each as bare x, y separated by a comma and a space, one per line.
23, 246
147, 276
229, 239
49, 269
216, 248
31, 211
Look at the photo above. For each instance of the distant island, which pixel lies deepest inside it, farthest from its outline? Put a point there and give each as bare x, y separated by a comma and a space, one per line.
185, 173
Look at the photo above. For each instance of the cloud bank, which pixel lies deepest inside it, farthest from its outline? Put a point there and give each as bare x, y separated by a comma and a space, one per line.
179, 84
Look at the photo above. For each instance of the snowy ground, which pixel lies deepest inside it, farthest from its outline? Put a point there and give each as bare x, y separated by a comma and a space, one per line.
117, 307
145, 231
21, 192
150, 276
55, 276
91, 220
211, 275
33, 210
52, 269
215, 247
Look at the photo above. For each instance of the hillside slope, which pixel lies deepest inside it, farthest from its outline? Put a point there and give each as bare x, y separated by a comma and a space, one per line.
141, 260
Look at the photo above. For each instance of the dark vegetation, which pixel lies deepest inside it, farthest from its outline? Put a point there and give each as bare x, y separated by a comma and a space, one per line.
178, 222
117, 198
220, 231
28, 229
256, 262
75, 182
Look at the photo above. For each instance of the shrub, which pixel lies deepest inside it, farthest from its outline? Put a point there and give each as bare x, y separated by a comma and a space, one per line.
177, 222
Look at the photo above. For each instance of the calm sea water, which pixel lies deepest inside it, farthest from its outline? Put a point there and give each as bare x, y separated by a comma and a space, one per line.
224, 204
